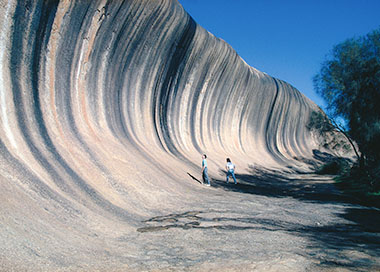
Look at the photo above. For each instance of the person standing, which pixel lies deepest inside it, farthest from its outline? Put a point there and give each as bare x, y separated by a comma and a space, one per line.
204, 170
230, 167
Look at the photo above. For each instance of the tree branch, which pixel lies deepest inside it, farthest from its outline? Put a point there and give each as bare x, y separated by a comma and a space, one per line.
340, 129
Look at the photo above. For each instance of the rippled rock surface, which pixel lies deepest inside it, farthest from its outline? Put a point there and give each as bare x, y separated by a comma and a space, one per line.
106, 108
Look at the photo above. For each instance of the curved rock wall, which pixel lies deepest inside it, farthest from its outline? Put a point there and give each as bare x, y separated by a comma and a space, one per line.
101, 98
107, 105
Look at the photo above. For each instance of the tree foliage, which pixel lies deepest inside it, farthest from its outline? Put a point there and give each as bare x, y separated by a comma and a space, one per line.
349, 82
327, 130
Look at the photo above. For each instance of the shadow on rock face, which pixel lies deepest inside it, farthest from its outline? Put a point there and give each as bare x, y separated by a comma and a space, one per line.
194, 178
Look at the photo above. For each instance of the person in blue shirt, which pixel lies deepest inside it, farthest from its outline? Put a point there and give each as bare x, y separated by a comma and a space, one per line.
204, 170
230, 167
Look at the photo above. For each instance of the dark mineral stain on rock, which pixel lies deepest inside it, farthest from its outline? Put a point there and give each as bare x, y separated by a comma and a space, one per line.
106, 108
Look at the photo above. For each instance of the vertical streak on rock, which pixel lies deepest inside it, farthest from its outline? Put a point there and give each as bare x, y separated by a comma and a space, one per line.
167, 94
4, 32
270, 133
107, 105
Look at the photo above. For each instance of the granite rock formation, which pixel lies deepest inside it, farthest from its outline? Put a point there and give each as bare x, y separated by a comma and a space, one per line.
106, 108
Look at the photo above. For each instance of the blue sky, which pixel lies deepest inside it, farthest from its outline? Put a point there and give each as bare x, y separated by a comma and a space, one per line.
287, 39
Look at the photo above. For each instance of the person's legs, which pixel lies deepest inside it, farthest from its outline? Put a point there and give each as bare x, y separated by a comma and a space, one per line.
228, 175
233, 175
206, 176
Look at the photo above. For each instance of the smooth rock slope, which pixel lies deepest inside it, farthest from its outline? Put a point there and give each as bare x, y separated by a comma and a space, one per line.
106, 108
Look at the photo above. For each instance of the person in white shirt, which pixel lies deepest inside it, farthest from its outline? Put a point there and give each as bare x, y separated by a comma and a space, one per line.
230, 167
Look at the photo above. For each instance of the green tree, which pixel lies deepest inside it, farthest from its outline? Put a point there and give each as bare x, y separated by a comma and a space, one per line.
349, 82
326, 129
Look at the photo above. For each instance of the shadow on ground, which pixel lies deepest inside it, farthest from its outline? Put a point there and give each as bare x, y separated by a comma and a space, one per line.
278, 184
334, 246
352, 244
306, 186
361, 233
